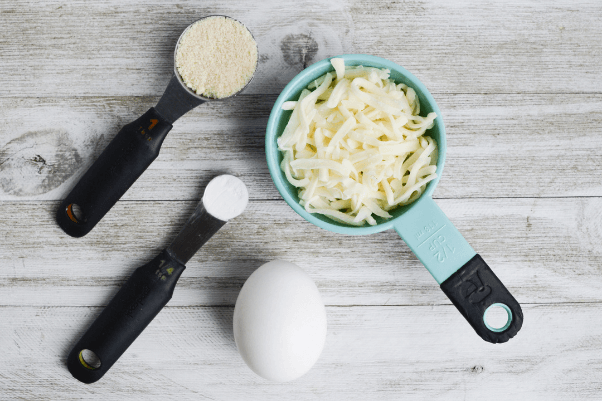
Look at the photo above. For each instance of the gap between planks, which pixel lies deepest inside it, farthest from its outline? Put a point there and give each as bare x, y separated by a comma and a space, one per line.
156, 97
420, 305
259, 200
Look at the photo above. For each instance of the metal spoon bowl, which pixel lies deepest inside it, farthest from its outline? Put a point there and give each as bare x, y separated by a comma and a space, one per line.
177, 73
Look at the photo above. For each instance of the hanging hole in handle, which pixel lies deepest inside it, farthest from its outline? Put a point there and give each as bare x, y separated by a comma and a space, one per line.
75, 213
89, 359
497, 317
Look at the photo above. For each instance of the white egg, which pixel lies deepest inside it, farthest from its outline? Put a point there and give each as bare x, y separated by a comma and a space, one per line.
279, 322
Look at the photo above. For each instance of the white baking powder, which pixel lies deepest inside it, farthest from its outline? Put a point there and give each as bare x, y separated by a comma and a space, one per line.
225, 197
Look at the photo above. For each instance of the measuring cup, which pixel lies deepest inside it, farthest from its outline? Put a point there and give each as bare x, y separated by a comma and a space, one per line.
462, 274
128, 155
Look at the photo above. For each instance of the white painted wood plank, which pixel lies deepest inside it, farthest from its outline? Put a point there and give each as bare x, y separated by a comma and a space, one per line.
126, 48
498, 146
117, 48
544, 250
487, 46
375, 353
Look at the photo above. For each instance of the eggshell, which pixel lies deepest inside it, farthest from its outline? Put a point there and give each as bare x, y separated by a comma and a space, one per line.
279, 322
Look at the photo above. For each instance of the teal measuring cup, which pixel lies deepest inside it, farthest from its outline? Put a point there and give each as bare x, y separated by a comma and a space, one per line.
461, 273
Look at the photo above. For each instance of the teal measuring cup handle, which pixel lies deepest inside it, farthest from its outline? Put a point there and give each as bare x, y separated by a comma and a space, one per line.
461, 273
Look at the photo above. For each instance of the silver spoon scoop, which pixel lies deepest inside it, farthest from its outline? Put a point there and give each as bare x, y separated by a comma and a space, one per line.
128, 155
151, 286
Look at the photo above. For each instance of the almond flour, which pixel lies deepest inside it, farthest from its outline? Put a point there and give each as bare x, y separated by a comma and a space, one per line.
216, 57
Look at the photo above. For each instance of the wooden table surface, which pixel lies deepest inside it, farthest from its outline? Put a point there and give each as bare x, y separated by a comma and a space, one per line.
518, 83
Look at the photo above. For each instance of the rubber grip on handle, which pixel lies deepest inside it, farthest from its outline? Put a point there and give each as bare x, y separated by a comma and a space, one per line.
113, 173
473, 289
136, 304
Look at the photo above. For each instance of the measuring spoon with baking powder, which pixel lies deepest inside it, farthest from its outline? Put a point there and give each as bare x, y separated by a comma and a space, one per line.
151, 286
129, 154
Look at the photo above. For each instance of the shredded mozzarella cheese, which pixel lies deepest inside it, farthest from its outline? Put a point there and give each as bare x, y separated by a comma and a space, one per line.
355, 147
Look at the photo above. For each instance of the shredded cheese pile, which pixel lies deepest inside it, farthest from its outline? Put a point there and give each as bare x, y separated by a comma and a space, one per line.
355, 146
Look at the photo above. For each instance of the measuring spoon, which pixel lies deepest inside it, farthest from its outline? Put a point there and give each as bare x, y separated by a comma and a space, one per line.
151, 286
128, 155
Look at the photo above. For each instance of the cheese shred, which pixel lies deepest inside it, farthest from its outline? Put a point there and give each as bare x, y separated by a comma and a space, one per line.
355, 147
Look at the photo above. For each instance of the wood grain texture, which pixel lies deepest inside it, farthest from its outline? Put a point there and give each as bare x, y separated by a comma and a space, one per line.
376, 353
499, 146
116, 48
544, 250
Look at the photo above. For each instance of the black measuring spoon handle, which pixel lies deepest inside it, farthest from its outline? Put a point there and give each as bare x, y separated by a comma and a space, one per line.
473, 289
113, 173
136, 304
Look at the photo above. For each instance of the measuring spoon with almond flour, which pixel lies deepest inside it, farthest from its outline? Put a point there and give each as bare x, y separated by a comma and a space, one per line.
199, 77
